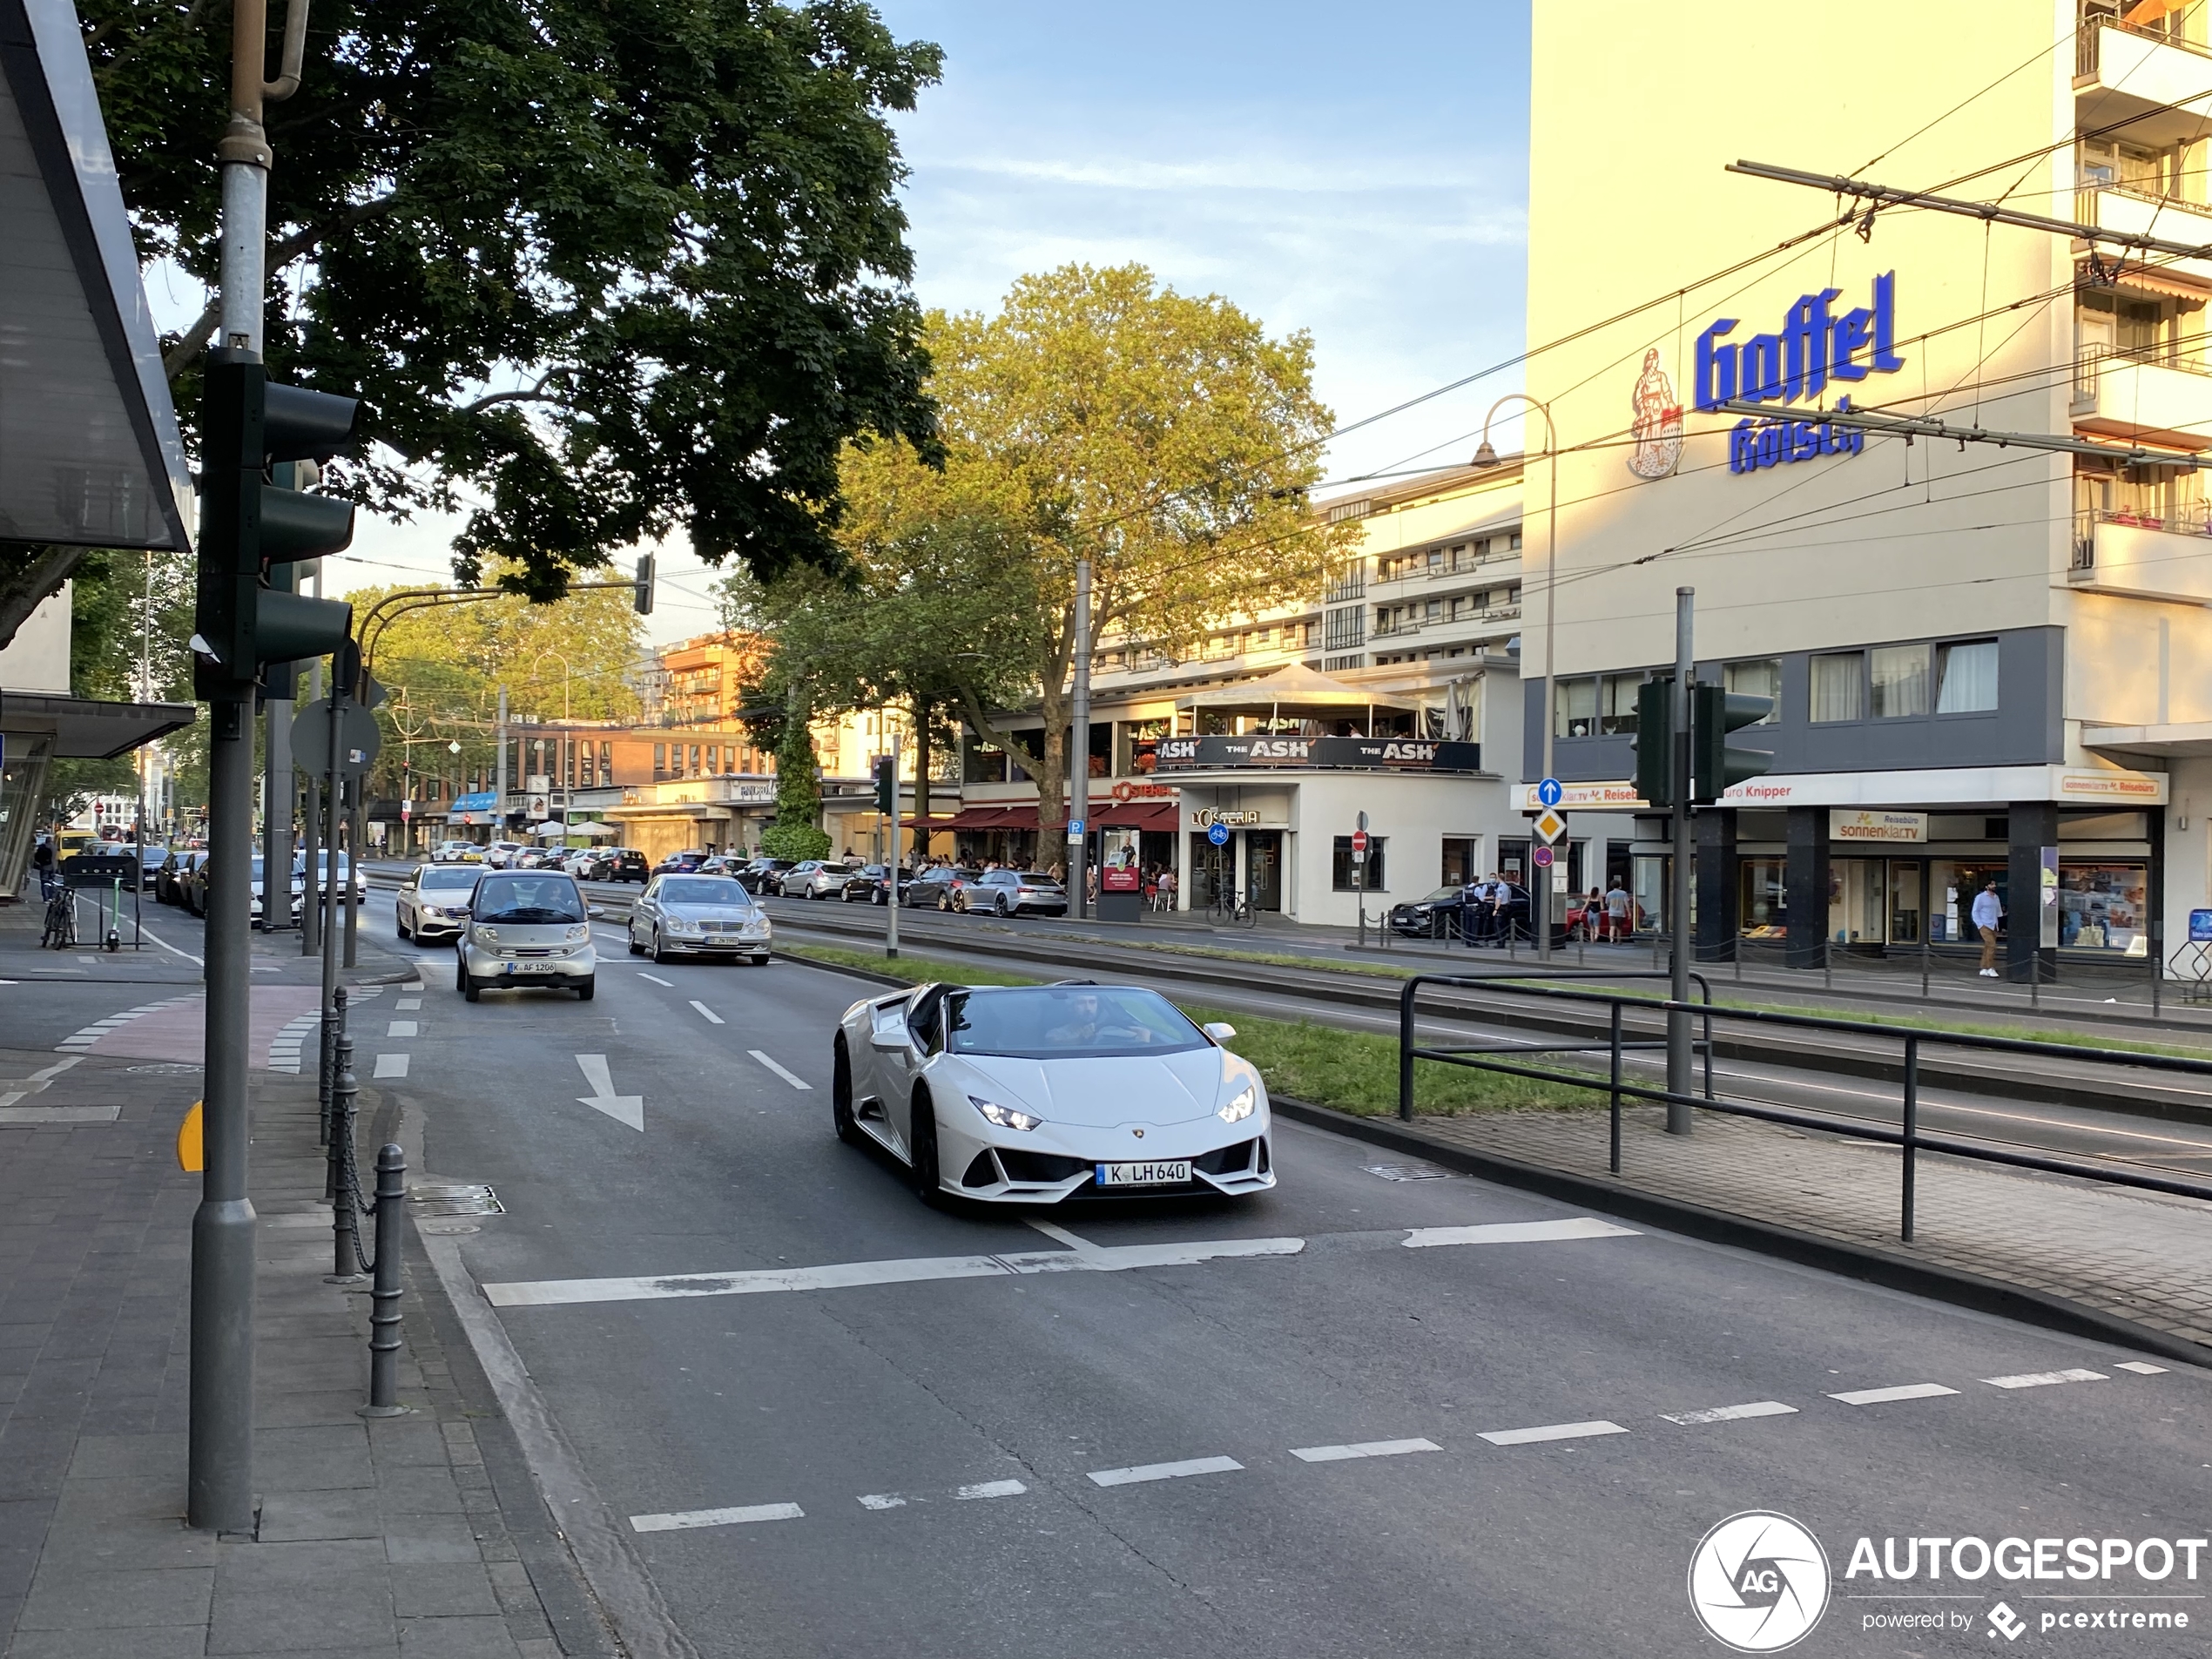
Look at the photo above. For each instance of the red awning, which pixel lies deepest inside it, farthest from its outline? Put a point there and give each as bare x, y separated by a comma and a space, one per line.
1135, 814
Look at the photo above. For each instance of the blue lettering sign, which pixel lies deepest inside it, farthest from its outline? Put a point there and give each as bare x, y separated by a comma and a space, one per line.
1813, 346
1753, 444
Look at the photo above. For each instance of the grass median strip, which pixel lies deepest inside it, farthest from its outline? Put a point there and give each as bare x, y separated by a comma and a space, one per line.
1352, 1071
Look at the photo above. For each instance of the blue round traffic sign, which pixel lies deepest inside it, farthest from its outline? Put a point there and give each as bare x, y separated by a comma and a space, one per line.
1217, 834
1549, 793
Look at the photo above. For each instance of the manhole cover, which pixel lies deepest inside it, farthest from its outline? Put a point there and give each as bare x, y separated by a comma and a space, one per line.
458, 1199
1408, 1171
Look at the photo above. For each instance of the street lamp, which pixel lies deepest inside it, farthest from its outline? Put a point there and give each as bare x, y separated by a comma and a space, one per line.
1484, 456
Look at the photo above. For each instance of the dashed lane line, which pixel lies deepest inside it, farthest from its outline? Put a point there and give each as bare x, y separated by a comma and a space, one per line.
2046, 1379
657, 980
1361, 1448
684, 1519
791, 1077
391, 1065
1517, 1232
407, 1002
1551, 1431
989, 1489
1144, 1472
1881, 1396
401, 1028
2141, 1368
708, 1014
1730, 1414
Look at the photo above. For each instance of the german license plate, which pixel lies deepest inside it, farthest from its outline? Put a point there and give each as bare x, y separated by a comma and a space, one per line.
1144, 1174
530, 967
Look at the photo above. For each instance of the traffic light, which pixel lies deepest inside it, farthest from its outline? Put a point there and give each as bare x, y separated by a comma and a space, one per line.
247, 523
1714, 763
886, 785
644, 600
1654, 742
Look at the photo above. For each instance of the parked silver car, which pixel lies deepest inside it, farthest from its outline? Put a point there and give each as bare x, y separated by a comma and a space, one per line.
818, 879
701, 915
1010, 893
526, 927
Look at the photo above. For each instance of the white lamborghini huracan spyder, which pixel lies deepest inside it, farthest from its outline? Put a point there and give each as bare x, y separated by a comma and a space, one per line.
1030, 1093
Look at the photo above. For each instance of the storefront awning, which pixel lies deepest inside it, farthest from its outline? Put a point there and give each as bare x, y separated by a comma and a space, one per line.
1294, 686
1136, 814
88, 451
82, 728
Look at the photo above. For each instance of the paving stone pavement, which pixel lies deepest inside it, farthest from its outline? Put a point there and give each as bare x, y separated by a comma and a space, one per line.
2141, 1255
417, 1537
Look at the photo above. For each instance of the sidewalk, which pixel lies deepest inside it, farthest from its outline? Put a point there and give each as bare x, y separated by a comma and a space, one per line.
389, 1538
2140, 1258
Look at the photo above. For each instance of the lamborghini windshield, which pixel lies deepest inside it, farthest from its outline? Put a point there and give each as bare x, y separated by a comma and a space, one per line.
1060, 1021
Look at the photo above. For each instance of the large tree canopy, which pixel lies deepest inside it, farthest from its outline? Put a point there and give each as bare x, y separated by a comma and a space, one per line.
605, 270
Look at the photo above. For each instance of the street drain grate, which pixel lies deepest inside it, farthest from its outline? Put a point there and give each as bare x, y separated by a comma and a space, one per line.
1408, 1171
460, 1199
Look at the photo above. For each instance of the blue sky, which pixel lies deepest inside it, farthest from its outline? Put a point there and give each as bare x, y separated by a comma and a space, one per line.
1359, 174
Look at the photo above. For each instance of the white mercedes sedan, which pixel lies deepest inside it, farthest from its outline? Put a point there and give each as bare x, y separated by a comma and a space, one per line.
1035, 1094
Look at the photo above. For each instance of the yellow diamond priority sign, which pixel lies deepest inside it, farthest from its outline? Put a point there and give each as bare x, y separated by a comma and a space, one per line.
1549, 825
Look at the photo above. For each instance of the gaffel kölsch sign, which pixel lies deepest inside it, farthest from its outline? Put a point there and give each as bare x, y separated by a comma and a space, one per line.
1815, 346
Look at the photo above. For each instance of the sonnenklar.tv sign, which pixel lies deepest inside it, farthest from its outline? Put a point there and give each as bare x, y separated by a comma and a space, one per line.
1813, 346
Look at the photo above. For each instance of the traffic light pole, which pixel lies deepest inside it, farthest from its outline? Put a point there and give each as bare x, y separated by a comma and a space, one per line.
891, 870
1079, 755
1678, 1041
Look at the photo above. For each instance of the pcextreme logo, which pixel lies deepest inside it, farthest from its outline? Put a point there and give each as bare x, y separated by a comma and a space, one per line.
1758, 1581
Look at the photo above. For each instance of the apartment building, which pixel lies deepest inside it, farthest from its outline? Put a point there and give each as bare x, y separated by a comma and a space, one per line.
1978, 656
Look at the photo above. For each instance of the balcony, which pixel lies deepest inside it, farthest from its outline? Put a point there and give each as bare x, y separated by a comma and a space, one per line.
2118, 396
2144, 555
1489, 567
2161, 85
2116, 208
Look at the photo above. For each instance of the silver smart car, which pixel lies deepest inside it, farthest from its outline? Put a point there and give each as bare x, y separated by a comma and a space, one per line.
526, 927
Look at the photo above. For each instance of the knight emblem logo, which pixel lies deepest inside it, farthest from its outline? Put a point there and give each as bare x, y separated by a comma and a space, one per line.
1657, 426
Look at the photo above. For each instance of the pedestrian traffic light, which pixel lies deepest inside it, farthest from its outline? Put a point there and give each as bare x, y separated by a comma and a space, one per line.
644, 600
247, 523
1713, 762
886, 785
1654, 742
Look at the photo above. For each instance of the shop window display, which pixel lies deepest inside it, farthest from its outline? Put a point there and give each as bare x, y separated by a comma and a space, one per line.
2103, 907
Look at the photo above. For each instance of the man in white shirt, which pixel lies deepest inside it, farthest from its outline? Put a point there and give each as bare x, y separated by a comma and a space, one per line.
1617, 913
1987, 913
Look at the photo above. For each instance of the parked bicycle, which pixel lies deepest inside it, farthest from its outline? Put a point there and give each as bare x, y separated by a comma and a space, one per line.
61, 920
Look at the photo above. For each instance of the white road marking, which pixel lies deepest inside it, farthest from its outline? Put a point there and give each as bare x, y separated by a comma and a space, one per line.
2141, 1368
711, 1017
401, 1028
391, 1065
1163, 1471
1551, 1431
407, 1002
25, 1116
1904, 1391
657, 980
2046, 1379
1361, 1448
1731, 1414
991, 1489
791, 1077
1517, 1232
881, 1501
77, 1042
847, 1275
623, 1109
1050, 1231
60, 1066
686, 1519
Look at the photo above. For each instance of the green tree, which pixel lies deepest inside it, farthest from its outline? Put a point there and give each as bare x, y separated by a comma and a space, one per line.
796, 832
1165, 438
603, 273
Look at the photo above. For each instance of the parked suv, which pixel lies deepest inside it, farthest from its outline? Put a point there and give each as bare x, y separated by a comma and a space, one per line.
526, 927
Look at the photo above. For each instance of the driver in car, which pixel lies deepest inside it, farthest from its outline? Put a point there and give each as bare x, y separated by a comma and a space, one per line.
1090, 1020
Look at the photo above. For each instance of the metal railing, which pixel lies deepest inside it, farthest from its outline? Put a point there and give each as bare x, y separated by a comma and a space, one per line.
2096, 16
1911, 1043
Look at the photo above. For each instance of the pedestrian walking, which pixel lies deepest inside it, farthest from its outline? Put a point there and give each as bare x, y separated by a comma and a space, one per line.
42, 859
1617, 913
1987, 912
1167, 889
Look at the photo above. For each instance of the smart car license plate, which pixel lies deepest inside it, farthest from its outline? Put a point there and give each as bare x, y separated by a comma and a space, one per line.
1144, 1174
530, 967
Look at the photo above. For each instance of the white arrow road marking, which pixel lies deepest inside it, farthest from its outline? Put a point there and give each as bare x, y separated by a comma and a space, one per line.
845, 1275
623, 1109
792, 1078
711, 1017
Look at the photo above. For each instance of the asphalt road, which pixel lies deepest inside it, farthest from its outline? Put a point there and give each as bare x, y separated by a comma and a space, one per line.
751, 1447
1108, 1462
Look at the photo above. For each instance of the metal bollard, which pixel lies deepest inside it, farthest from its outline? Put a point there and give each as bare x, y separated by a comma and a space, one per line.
333, 1024
384, 1339
345, 1218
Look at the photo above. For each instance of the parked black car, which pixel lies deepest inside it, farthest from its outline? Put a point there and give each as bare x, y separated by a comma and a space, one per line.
682, 863
866, 885
1444, 914
618, 864
764, 874
169, 881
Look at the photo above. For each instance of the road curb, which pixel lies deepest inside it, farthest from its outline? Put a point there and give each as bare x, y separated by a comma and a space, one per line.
1886, 1268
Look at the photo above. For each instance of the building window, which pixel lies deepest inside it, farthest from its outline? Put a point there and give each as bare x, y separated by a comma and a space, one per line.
660, 759
1341, 867
1347, 628
1966, 677
1616, 705
1839, 687
606, 762
1762, 677
1574, 708
1900, 675
695, 760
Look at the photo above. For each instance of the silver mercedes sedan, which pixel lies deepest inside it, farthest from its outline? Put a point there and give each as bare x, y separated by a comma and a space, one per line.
699, 916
